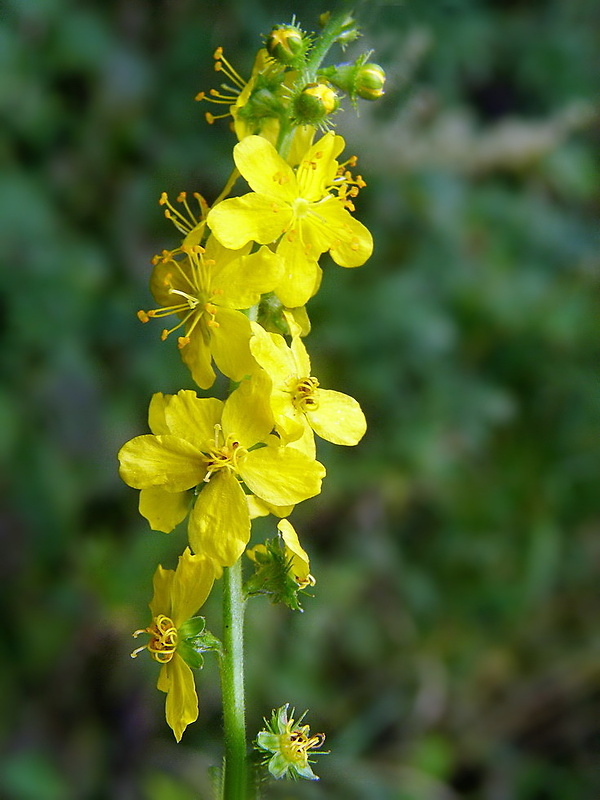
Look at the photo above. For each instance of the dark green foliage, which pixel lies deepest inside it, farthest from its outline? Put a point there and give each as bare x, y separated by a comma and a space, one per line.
451, 649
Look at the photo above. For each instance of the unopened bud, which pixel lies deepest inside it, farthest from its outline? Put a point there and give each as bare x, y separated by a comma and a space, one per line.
286, 44
314, 103
361, 79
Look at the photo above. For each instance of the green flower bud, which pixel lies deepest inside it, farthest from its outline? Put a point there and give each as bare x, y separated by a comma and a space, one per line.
286, 44
361, 79
369, 82
314, 103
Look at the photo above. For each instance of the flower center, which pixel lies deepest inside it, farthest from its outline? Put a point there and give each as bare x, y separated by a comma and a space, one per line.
303, 394
189, 282
163, 639
295, 744
225, 455
301, 207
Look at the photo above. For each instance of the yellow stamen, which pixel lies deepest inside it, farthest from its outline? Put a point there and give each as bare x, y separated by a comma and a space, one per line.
163, 641
225, 456
303, 394
184, 224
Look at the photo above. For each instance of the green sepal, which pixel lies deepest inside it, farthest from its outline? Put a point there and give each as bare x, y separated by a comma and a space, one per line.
195, 640
192, 657
271, 315
264, 101
272, 576
192, 627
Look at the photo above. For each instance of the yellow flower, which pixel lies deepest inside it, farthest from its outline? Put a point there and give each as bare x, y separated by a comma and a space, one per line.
288, 744
214, 447
306, 210
205, 287
297, 401
178, 594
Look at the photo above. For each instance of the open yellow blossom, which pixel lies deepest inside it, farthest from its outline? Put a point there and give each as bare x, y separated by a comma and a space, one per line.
205, 288
178, 594
213, 447
297, 401
307, 211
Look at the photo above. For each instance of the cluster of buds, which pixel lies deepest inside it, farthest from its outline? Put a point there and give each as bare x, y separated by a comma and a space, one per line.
285, 85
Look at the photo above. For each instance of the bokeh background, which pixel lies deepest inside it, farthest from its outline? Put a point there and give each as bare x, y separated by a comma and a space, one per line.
452, 646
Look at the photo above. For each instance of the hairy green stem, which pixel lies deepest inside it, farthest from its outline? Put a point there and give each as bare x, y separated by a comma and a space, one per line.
327, 37
235, 779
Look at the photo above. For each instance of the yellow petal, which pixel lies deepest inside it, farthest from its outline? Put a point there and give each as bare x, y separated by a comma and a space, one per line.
164, 510
301, 272
300, 560
290, 422
182, 701
300, 144
331, 227
256, 507
192, 583
297, 319
301, 357
156, 413
193, 418
164, 681
247, 413
318, 168
161, 461
161, 601
264, 169
273, 354
338, 418
238, 220
167, 275
219, 524
197, 357
242, 281
306, 441
281, 475
222, 256
230, 344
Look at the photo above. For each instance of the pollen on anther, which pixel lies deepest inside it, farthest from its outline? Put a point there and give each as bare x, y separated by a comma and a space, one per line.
143, 316
200, 96
164, 335
182, 341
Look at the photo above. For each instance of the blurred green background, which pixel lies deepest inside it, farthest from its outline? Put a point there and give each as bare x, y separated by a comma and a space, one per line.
452, 646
